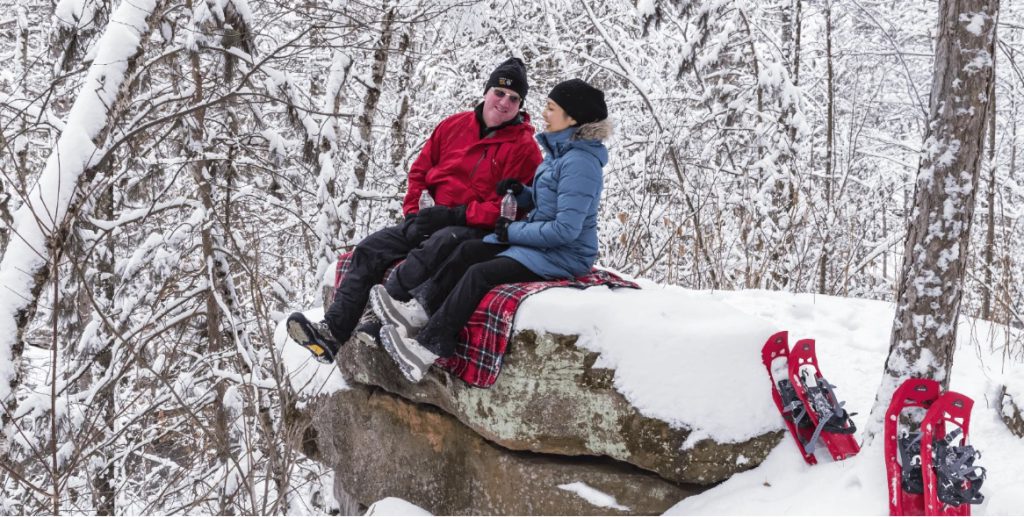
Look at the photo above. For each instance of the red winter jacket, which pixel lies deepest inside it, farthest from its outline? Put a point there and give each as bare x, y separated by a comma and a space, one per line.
460, 168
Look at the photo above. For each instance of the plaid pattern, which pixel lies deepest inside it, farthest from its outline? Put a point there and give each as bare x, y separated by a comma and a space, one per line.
484, 340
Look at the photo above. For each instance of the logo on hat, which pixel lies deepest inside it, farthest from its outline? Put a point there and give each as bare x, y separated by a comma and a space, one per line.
503, 81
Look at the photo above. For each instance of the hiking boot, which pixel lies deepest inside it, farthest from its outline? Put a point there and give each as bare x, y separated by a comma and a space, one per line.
413, 359
315, 337
409, 317
368, 330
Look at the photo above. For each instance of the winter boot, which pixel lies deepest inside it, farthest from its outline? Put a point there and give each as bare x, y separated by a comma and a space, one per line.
409, 317
315, 337
413, 359
368, 330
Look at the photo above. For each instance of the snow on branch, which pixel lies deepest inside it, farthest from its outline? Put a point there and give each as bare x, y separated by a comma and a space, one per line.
23, 269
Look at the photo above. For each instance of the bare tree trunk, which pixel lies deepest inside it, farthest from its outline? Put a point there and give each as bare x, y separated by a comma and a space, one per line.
885, 254
55, 466
213, 268
797, 24
380, 64
19, 145
400, 142
329, 224
936, 251
830, 121
5, 214
1004, 298
104, 476
787, 32
990, 200
23, 60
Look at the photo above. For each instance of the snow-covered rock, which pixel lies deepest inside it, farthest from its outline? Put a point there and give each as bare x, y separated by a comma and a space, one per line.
554, 397
852, 339
382, 445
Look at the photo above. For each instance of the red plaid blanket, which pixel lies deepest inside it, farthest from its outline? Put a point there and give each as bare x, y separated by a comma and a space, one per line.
484, 339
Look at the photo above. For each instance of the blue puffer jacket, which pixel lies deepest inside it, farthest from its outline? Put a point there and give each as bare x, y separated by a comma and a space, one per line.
558, 238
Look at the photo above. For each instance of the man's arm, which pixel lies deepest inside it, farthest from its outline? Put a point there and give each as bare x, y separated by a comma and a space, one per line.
524, 163
429, 156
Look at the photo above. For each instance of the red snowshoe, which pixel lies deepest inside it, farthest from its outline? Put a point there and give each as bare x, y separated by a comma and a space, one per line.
932, 471
806, 400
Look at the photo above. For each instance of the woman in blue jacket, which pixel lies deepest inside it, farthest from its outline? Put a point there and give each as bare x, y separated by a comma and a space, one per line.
557, 239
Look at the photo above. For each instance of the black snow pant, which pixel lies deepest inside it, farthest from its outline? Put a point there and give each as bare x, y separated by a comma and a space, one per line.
453, 292
376, 253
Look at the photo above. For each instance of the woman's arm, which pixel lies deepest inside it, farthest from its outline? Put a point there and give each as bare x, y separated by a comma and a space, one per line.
578, 188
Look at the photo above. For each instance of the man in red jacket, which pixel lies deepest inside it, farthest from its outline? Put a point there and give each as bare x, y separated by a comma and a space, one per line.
460, 166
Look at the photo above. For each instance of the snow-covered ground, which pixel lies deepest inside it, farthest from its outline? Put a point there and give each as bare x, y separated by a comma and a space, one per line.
693, 358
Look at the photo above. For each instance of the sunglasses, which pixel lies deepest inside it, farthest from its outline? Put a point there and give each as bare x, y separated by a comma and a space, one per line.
513, 98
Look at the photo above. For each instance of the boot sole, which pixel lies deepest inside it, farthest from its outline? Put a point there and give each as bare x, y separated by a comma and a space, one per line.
297, 332
407, 363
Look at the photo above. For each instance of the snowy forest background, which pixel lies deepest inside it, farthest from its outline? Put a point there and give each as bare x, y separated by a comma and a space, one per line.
759, 144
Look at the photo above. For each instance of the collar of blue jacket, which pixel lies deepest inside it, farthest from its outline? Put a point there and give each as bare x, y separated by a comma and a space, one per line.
558, 143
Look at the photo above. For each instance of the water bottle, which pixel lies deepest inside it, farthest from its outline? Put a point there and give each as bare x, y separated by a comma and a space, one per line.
425, 200
509, 206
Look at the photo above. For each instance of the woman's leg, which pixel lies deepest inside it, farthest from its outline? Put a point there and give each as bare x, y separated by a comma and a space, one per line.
442, 331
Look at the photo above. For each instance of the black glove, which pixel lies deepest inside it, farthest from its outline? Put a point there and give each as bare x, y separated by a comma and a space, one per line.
510, 184
408, 228
501, 228
434, 218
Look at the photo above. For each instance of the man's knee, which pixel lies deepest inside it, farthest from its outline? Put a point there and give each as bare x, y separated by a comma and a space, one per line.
383, 244
471, 248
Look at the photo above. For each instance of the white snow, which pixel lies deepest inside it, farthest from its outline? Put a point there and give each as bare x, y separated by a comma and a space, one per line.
48, 201
395, 506
645, 7
974, 22
693, 358
308, 377
852, 339
681, 356
593, 495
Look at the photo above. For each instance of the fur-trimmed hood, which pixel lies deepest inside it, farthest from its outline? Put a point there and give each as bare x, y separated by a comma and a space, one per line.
586, 137
600, 130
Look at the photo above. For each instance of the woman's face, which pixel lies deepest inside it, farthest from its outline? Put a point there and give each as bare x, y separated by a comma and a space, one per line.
556, 118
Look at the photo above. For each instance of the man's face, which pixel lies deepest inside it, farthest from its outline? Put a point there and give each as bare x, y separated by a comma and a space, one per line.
500, 105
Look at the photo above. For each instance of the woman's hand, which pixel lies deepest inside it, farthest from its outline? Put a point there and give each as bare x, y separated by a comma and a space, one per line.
501, 228
508, 184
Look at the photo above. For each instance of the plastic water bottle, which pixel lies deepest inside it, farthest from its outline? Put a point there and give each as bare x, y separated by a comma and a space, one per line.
425, 200
509, 205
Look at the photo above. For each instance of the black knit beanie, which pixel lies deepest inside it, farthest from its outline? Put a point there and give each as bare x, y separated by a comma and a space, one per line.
580, 100
511, 75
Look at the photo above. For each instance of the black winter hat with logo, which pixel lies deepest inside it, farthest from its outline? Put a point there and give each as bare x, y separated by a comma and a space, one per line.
580, 100
511, 75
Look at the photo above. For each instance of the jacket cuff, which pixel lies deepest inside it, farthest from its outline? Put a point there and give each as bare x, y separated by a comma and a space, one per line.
525, 197
459, 215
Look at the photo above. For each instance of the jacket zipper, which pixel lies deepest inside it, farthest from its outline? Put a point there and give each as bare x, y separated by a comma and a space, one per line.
476, 165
